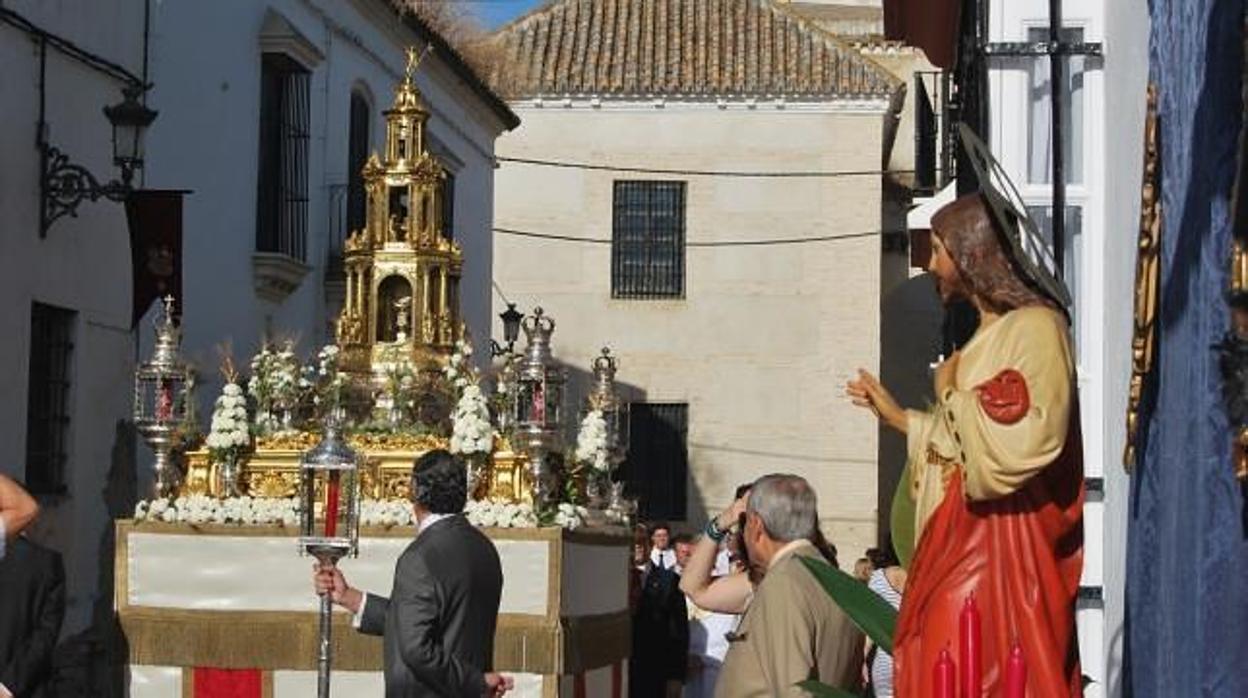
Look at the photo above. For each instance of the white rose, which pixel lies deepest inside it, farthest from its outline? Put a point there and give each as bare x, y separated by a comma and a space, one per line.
169, 515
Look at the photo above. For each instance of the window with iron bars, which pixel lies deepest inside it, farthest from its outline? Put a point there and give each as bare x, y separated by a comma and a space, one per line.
648, 240
282, 186
657, 468
47, 398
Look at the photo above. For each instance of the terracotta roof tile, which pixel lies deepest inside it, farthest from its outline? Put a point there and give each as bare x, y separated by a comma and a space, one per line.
679, 47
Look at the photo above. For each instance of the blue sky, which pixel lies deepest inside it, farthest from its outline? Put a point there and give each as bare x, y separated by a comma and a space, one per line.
495, 13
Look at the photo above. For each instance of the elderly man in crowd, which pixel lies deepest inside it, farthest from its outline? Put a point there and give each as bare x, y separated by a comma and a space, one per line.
792, 631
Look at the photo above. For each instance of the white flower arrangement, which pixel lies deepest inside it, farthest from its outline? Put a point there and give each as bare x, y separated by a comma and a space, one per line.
259, 511
376, 512
459, 371
274, 383
471, 430
323, 380
202, 509
501, 515
591, 442
229, 434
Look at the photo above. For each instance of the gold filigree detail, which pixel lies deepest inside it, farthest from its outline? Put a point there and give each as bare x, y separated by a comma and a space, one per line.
1147, 274
288, 441
272, 483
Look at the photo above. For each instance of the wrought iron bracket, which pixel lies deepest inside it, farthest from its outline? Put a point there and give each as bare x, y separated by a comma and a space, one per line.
64, 185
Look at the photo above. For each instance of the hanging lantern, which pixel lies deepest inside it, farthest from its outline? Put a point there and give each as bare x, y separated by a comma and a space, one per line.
329, 519
537, 404
161, 398
606, 399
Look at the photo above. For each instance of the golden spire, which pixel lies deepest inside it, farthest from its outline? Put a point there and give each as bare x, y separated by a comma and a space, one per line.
407, 95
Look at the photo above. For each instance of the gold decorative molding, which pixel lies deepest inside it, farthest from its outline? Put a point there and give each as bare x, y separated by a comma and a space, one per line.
1147, 278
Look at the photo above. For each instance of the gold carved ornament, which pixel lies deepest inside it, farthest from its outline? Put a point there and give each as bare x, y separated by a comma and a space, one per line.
1147, 278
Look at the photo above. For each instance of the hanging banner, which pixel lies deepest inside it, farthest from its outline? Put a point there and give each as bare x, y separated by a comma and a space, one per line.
155, 218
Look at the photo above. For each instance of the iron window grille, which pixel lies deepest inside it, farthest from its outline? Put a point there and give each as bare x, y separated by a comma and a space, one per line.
657, 468
47, 398
282, 186
648, 240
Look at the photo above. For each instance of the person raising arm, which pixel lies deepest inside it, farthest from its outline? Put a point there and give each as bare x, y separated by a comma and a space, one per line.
17, 510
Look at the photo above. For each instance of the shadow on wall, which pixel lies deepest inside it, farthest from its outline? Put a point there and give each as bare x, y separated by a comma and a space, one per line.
92, 662
657, 470
910, 341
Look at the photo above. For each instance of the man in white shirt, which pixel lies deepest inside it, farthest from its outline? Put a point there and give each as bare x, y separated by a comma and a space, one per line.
661, 554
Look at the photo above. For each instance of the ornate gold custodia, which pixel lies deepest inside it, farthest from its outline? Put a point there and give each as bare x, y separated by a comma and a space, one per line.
403, 269
1147, 273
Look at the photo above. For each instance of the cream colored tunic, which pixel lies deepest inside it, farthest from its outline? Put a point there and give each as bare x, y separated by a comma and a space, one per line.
792, 632
997, 458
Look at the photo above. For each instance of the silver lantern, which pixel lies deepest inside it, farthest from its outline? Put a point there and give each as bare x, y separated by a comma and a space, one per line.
605, 398
537, 405
161, 399
329, 519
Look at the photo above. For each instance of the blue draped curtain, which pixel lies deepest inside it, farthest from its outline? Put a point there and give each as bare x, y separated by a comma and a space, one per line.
1187, 560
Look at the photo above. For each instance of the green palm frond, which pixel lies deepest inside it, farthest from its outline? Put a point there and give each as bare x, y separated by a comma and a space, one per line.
822, 690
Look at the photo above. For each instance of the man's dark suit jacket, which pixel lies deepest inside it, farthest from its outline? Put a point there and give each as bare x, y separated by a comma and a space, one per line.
438, 624
32, 604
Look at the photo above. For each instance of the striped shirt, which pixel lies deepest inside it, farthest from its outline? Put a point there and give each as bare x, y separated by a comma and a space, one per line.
882, 665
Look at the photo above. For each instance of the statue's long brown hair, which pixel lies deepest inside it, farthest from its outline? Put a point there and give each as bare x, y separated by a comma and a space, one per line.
965, 226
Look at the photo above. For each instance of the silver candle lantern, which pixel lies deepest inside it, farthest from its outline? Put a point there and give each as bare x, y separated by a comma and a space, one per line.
605, 399
161, 399
329, 520
537, 405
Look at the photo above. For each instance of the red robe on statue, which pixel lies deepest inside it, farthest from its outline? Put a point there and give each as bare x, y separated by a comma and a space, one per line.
995, 477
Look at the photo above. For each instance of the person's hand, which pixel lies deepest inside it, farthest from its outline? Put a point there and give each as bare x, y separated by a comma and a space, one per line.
868, 392
4, 692
945, 374
729, 517
496, 685
328, 579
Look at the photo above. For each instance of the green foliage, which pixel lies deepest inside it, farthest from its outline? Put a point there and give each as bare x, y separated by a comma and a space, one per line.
864, 607
821, 690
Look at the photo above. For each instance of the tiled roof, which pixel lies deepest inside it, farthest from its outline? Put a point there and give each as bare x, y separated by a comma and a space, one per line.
682, 48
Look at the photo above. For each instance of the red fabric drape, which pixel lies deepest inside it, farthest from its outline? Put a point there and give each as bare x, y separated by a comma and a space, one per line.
227, 683
932, 25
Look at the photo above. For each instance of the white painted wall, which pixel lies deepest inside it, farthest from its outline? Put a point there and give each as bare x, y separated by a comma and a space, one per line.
765, 338
83, 265
1126, 75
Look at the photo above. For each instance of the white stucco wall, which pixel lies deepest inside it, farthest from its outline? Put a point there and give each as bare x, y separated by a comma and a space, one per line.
1126, 75
766, 336
83, 265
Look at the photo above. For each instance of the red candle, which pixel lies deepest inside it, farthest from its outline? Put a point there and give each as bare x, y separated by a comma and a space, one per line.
969, 635
331, 505
944, 677
1016, 673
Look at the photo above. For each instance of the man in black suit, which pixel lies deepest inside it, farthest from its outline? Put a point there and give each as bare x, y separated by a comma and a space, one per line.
32, 600
438, 624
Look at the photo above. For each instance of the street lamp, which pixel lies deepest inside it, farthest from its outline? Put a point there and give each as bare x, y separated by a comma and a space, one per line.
511, 330
65, 184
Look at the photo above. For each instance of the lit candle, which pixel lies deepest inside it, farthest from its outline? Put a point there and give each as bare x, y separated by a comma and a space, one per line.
944, 677
969, 634
331, 505
1016, 673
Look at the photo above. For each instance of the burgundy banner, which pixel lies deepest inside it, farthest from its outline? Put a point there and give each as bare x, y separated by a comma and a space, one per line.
155, 218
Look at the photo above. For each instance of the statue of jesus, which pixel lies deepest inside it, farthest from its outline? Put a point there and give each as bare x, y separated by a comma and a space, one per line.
993, 486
